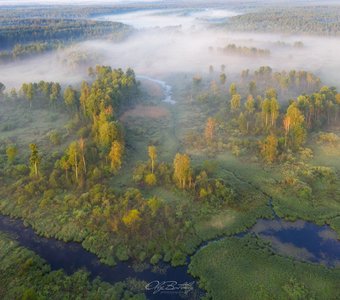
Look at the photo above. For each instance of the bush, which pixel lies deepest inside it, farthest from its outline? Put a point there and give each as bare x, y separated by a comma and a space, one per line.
150, 179
155, 259
55, 137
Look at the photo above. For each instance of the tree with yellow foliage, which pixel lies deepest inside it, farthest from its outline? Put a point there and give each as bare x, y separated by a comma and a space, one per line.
182, 170
153, 156
131, 218
150, 179
235, 102
115, 155
269, 148
293, 124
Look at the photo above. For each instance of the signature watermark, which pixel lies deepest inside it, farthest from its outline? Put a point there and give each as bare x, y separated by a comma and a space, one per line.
159, 287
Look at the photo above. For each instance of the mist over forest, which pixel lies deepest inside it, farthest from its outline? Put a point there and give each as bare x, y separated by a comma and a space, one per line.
169, 149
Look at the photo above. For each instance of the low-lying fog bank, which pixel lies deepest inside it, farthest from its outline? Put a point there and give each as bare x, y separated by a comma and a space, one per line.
190, 48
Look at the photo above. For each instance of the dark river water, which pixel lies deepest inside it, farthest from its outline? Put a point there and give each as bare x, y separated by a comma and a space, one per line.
302, 240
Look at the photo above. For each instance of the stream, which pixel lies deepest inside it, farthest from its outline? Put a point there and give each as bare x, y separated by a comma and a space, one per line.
167, 89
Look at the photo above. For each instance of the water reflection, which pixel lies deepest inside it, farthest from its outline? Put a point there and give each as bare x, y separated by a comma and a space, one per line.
302, 240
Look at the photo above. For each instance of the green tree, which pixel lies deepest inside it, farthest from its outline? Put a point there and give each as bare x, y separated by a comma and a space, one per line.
70, 97
11, 153
55, 93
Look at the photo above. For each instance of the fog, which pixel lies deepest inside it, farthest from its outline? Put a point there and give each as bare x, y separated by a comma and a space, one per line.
177, 41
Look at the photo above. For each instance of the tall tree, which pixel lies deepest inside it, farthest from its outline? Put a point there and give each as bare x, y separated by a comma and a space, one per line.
35, 159
209, 131
232, 89
84, 95
182, 170
235, 102
74, 158
82, 149
116, 155
152, 151
250, 109
70, 97
55, 93
266, 110
269, 148
294, 127
274, 111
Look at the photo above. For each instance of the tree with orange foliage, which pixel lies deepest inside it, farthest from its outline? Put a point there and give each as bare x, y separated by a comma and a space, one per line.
209, 132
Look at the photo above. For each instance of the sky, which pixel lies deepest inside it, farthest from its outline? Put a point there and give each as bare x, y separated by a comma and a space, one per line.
86, 2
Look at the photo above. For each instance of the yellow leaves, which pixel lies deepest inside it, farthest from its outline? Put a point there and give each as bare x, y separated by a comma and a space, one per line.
235, 102
203, 193
182, 170
295, 115
115, 155
154, 204
269, 148
337, 99
106, 131
150, 179
286, 124
152, 151
131, 217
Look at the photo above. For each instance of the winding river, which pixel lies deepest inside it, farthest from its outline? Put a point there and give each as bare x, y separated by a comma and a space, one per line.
302, 240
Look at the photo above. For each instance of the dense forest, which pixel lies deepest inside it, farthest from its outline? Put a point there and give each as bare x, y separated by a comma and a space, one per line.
308, 20
25, 31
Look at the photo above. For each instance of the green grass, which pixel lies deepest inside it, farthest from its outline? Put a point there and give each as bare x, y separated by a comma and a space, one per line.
246, 268
21, 125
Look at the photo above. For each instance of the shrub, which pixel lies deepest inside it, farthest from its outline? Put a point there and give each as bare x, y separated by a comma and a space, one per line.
150, 179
